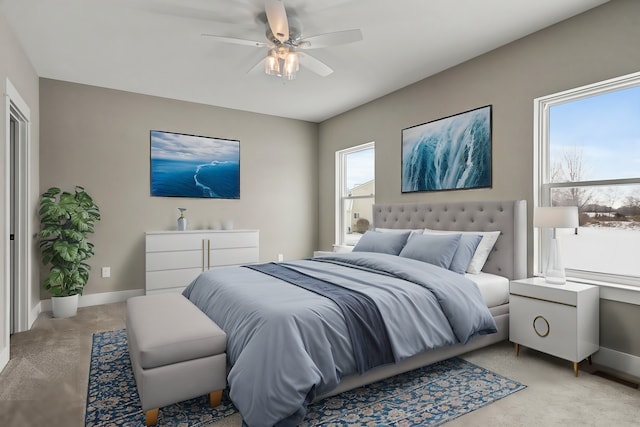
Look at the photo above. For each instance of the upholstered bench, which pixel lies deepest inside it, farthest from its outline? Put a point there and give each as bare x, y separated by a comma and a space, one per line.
176, 351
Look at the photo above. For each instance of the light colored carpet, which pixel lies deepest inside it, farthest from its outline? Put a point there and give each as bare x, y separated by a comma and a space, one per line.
45, 383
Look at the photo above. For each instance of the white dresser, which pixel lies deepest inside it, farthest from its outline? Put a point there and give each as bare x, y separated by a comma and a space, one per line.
174, 258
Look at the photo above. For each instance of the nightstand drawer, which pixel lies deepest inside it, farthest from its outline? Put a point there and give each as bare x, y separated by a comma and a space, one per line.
545, 326
564, 294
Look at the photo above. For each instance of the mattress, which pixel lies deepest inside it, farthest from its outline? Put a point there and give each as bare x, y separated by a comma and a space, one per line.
494, 288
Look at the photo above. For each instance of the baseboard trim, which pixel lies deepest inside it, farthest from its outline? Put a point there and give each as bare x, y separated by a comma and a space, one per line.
98, 299
33, 315
618, 361
4, 358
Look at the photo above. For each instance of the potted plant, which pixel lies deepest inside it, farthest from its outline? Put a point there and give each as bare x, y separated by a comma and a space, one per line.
66, 220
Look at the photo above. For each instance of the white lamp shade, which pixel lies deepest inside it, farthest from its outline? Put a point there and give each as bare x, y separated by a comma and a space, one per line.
555, 217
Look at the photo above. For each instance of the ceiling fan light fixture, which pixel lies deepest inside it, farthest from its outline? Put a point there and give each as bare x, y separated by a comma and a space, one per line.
282, 52
282, 62
291, 62
289, 73
271, 64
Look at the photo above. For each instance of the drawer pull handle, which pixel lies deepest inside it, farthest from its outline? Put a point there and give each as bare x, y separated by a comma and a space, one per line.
543, 325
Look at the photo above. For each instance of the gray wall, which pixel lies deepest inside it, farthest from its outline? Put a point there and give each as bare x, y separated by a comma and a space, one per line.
619, 326
99, 138
15, 66
595, 46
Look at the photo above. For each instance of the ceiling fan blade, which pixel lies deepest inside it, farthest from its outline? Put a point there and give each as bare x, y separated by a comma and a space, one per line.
234, 40
313, 64
330, 39
258, 65
277, 19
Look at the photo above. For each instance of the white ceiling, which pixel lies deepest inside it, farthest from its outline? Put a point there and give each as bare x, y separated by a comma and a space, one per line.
155, 47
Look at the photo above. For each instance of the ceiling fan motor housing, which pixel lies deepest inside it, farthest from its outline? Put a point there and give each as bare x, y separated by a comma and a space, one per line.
294, 36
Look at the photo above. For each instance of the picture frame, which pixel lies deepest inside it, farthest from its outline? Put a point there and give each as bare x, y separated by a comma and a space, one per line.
184, 165
450, 153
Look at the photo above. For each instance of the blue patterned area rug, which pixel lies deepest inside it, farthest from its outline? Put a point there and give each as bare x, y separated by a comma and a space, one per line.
428, 396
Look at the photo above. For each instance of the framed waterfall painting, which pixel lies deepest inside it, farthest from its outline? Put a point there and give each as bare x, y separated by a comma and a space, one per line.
451, 153
194, 166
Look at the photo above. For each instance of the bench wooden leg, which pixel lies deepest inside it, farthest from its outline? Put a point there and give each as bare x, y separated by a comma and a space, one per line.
214, 398
151, 417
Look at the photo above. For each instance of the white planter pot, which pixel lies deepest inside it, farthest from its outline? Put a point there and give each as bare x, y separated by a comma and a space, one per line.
65, 306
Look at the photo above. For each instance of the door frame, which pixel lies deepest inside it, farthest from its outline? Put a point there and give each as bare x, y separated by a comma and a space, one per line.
16, 107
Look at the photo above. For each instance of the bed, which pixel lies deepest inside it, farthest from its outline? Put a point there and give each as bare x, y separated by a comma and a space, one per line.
291, 345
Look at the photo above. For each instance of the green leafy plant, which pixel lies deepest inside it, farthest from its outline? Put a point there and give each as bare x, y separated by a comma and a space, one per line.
66, 220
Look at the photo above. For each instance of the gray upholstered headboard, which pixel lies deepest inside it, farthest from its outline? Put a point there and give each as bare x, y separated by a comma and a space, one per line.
509, 255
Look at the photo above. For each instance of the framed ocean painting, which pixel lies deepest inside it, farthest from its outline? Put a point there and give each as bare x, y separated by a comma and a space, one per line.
450, 153
194, 166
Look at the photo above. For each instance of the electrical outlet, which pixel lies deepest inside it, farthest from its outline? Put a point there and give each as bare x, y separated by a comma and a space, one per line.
106, 272
280, 257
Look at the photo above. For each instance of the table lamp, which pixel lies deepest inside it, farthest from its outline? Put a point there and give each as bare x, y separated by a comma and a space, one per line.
555, 217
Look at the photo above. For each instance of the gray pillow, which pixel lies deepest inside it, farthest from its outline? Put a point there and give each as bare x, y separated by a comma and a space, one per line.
386, 243
464, 253
482, 251
436, 249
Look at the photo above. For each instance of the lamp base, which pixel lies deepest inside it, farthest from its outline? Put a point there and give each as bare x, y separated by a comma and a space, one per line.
554, 272
555, 277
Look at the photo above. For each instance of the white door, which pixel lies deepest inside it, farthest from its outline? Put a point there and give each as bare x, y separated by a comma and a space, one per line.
13, 289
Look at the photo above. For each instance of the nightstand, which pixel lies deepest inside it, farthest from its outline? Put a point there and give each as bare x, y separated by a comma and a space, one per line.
560, 320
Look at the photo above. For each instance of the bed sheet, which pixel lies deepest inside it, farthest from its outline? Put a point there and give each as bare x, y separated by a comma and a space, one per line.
494, 288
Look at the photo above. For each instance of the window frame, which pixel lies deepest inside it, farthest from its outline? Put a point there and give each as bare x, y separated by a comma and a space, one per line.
341, 198
541, 169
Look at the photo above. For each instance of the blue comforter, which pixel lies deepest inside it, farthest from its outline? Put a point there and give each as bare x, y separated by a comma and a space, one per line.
286, 344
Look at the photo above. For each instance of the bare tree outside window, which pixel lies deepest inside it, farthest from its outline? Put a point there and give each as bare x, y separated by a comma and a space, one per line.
571, 168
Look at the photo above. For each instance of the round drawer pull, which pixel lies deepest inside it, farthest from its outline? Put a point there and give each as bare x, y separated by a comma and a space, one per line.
541, 326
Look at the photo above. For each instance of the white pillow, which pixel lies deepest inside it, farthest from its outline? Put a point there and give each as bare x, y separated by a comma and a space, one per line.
483, 250
400, 230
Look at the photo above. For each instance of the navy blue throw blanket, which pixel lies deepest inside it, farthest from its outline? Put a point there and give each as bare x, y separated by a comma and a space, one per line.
368, 333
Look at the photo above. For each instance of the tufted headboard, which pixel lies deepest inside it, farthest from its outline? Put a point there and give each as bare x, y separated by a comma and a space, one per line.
509, 255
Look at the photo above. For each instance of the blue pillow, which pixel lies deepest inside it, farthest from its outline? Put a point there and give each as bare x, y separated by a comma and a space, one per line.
386, 243
436, 249
464, 253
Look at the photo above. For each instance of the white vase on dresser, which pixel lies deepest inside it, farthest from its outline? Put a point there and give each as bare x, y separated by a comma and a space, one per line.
174, 258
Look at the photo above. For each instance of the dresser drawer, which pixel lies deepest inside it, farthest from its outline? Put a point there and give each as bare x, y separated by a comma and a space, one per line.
156, 280
159, 261
204, 240
545, 326
234, 256
235, 239
171, 242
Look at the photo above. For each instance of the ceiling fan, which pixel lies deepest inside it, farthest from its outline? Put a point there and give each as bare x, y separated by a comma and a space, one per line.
286, 45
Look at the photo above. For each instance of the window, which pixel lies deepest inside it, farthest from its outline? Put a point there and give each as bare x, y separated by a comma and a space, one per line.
587, 154
355, 192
